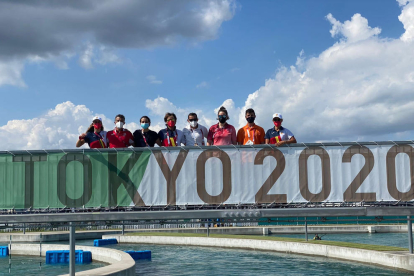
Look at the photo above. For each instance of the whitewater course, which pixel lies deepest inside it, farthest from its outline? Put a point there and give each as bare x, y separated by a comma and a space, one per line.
358, 197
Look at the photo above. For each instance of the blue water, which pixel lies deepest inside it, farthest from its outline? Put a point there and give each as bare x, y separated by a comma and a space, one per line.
190, 260
29, 265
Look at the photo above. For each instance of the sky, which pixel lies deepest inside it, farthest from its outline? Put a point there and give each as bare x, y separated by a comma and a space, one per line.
336, 70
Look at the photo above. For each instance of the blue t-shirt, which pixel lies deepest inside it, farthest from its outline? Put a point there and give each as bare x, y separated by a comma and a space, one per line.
95, 140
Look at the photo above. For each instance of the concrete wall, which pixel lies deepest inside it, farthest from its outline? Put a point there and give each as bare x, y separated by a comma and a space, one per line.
400, 260
252, 230
55, 236
120, 263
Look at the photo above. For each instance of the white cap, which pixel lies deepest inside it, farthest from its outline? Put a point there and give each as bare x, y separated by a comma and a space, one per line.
278, 115
97, 118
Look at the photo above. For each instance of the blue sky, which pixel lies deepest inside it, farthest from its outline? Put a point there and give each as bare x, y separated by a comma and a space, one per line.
250, 44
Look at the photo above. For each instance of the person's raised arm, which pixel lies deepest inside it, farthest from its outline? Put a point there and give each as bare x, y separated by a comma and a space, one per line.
81, 140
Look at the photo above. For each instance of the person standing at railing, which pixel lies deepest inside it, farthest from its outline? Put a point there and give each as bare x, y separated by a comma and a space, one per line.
95, 136
120, 137
279, 135
145, 137
170, 136
194, 133
250, 134
222, 133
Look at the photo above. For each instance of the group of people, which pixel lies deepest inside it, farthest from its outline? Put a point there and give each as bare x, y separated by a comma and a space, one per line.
193, 134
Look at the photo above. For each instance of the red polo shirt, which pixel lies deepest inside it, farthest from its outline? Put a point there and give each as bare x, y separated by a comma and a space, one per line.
122, 139
222, 136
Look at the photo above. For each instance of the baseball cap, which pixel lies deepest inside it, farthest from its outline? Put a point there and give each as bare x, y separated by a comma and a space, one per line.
278, 115
97, 118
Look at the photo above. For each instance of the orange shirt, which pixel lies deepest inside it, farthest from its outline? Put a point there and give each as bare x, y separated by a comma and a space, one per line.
257, 135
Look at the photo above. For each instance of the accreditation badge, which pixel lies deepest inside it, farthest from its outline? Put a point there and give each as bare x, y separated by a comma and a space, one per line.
249, 143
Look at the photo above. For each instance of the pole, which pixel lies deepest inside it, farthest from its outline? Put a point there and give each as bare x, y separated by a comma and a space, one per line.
24, 228
123, 228
40, 251
72, 250
10, 253
306, 229
208, 229
410, 234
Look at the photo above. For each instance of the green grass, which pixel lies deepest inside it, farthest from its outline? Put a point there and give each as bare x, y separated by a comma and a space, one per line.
271, 238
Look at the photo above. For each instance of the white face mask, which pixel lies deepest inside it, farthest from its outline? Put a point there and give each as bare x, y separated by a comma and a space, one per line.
193, 123
120, 125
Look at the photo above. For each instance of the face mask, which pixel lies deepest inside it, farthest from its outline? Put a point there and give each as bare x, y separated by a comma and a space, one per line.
222, 118
120, 125
97, 125
171, 123
250, 119
144, 125
193, 123
277, 124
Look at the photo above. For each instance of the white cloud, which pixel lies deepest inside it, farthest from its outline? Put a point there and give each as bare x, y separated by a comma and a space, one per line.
407, 18
106, 56
359, 88
59, 128
159, 106
153, 79
107, 26
85, 59
354, 30
235, 69
11, 73
202, 85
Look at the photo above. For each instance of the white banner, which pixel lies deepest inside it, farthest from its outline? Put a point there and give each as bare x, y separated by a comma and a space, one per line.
280, 175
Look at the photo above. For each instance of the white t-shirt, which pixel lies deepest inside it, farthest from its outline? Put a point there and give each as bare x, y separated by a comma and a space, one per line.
192, 136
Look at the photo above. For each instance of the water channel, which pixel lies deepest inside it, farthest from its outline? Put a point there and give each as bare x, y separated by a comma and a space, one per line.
191, 260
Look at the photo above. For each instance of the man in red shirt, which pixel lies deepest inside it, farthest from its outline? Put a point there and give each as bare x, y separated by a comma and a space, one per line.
120, 137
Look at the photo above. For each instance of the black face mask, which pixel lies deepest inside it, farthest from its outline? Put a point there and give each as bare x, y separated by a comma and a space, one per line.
250, 119
222, 119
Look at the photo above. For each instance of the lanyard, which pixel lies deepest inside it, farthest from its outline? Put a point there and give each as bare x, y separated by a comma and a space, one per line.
101, 138
195, 140
248, 133
168, 137
145, 139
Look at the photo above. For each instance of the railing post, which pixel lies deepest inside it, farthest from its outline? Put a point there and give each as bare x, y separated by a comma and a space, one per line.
72, 249
40, 251
410, 234
208, 228
10, 253
123, 228
306, 229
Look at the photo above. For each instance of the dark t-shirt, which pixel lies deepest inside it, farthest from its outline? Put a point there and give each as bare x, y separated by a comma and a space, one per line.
95, 140
150, 136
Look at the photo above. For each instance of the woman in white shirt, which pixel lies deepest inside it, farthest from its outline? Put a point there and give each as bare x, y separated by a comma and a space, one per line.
194, 133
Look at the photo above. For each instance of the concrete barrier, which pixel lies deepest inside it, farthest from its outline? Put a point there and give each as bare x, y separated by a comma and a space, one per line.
400, 259
51, 236
120, 263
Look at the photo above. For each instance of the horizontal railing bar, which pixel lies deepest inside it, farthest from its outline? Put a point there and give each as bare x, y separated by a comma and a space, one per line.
324, 144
